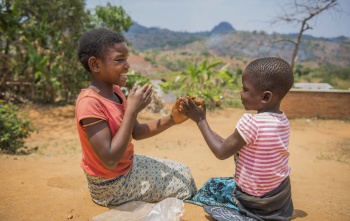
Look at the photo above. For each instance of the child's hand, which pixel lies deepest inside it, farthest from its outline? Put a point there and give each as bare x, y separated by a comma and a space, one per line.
176, 115
138, 99
194, 109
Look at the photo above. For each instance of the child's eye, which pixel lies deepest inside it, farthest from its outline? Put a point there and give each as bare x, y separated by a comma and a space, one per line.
121, 60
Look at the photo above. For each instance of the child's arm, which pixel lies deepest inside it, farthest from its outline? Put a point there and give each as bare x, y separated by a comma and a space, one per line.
110, 150
146, 130
222, 148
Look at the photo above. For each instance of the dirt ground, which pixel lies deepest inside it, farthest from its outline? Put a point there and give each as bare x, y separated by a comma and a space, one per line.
50, 185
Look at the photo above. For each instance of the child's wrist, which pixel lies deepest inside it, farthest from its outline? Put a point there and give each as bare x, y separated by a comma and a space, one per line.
171, 120
131, 111
201, 118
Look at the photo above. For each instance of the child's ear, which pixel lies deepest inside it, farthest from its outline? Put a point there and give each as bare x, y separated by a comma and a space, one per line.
267, 97
93, 64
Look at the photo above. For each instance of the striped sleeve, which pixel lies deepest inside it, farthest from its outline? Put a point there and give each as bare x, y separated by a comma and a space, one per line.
247, 128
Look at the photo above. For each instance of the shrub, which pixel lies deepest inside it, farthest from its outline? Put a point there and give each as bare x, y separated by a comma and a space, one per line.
13, 128
205, 80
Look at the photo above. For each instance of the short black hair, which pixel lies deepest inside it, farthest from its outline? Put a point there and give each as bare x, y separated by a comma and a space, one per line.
95, 43
271, 74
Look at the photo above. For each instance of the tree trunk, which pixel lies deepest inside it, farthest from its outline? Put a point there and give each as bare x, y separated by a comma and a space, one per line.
296, 48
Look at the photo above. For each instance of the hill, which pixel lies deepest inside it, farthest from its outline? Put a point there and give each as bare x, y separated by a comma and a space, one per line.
169, 50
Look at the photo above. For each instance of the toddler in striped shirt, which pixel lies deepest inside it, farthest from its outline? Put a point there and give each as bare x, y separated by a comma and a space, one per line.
262, 187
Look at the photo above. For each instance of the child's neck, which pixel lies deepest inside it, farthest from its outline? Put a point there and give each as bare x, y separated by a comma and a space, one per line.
275, 112
101, 87
106, 91
271, 109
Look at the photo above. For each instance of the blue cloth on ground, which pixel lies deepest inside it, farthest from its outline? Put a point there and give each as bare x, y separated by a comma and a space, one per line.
217, 191
217, 196
225, 201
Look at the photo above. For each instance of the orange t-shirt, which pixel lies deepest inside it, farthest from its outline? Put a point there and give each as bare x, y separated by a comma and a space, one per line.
90, 104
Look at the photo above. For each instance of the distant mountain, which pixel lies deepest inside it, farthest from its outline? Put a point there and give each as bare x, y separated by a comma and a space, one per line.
143, 38
139, 29
224, 41
223, 28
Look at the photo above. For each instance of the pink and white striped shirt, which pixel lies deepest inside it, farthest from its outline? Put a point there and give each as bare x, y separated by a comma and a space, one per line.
263, 162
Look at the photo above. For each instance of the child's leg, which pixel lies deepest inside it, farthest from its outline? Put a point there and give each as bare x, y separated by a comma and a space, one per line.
162, 178
150, 180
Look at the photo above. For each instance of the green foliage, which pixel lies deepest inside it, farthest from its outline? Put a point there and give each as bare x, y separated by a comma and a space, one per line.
240, 48
134, 78
42, 52
337, 76
38, 43
300, 70
14, 128
112, 17
151, 56
332, 71
239, 71
172, 64
38, 46
206, 80
232, 98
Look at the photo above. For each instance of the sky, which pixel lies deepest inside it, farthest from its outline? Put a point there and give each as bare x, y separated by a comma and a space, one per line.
243, 15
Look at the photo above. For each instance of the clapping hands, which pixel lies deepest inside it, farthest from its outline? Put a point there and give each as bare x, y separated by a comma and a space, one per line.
138, 99
192, 108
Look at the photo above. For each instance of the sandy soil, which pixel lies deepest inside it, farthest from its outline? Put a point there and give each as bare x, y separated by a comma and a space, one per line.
49, 185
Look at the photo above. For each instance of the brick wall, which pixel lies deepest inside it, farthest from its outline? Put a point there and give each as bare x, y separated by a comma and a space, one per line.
334, 104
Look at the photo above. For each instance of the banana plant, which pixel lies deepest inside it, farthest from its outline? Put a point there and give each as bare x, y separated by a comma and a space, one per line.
205, 80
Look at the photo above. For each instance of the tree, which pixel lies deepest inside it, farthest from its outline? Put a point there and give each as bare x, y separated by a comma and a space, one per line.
302, 12
112, 17
38, 45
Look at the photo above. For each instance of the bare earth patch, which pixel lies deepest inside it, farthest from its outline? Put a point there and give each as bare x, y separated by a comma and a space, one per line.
50, 185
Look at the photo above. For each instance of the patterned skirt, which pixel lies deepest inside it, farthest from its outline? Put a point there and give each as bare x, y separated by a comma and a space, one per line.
225, 201
149, 180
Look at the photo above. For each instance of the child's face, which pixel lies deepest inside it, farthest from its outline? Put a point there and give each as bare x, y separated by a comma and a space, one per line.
114, 65
251, 96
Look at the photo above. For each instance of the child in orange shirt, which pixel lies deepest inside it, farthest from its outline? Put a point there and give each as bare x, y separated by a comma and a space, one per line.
107, 123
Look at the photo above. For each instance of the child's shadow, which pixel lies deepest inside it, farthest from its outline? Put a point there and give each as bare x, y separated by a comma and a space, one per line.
297, 213
209, 218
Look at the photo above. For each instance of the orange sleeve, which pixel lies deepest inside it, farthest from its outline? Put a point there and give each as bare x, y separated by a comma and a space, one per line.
89, 107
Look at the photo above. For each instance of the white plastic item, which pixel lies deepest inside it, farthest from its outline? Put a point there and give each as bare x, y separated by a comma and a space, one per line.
132, 211
170, 209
